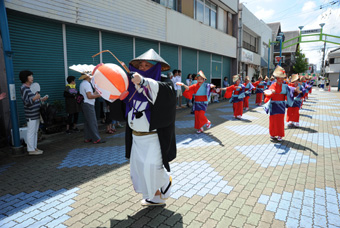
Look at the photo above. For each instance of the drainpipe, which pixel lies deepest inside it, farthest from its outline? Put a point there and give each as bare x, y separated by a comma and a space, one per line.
10, 76
240, 39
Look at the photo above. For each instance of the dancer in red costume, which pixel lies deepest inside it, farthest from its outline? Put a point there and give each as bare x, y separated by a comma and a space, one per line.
201, 90
236, 94
275, 101
293, 115
260, 87
248, 88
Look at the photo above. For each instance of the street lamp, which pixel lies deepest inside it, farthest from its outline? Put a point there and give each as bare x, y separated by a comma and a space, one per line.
280, 37
300, 27
324, 51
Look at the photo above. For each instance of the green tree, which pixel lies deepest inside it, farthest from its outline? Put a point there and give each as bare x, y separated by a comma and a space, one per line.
301, 64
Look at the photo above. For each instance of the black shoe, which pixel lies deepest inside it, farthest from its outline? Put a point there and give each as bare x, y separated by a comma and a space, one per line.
75, 130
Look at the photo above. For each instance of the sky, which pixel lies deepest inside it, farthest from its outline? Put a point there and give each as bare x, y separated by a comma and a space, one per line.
294, 13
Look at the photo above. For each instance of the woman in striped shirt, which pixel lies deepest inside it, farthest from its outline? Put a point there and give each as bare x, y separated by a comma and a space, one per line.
32, 111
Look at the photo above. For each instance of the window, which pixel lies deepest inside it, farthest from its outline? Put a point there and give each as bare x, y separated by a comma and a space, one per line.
250, 42
230, 24
336, 60
331, 61
172, 4
205, 12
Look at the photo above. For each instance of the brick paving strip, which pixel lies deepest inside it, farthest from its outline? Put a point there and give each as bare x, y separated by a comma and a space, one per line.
232, 175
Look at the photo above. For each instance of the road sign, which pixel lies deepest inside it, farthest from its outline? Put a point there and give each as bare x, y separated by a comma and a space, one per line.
278, 58
310, 31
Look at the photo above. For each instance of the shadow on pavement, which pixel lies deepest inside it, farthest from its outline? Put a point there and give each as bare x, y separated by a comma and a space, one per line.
152, 216
309, 130
296, 146
308, 116
215, 139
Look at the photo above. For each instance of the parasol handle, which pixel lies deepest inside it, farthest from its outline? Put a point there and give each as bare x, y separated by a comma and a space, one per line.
121, 63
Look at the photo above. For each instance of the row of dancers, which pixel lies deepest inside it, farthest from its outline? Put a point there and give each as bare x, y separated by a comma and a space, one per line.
279, 93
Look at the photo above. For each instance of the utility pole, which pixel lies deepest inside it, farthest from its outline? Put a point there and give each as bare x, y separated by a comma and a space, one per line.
323, 60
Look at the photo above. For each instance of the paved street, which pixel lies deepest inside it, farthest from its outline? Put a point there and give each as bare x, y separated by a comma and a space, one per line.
233, 175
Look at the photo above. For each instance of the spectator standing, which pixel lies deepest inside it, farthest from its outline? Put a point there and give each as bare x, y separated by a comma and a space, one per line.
32, 111
90, 121
177, 78
322, 83
72, 108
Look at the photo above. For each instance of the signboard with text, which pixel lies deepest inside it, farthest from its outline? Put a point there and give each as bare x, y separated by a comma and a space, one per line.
310, 31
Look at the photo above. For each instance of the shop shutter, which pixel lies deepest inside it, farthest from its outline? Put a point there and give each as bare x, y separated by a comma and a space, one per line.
142, 45
170, 54
37, 44
216, 70
204, 64
189, 61
121, 46
82, 43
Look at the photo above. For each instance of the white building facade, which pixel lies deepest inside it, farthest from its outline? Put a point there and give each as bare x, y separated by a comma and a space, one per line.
49, 36
333, 67
254, 40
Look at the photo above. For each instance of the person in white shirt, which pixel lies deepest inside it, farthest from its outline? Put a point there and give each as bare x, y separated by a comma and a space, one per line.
322, 83
91, 133
178, 78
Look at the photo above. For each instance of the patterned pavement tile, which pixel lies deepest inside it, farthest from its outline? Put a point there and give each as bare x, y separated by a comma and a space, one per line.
3, 168
185, 124
274, 155
249, 129
193, 115
244, 117
197, 178
36, 209
306, 110
304, 124
225, 109
94, 156
325, 117
260, 110
324, 139
304, 208
194, 140
119, 135
325, 107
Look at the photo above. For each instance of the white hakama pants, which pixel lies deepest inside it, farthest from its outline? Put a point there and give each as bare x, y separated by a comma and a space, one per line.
146, 165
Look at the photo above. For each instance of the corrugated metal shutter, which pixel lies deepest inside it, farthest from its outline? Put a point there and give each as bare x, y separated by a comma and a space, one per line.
81, 45
216, 70
142, 46
227, 68
37, 44
204, 64
189, 61
170, 54
121, 46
